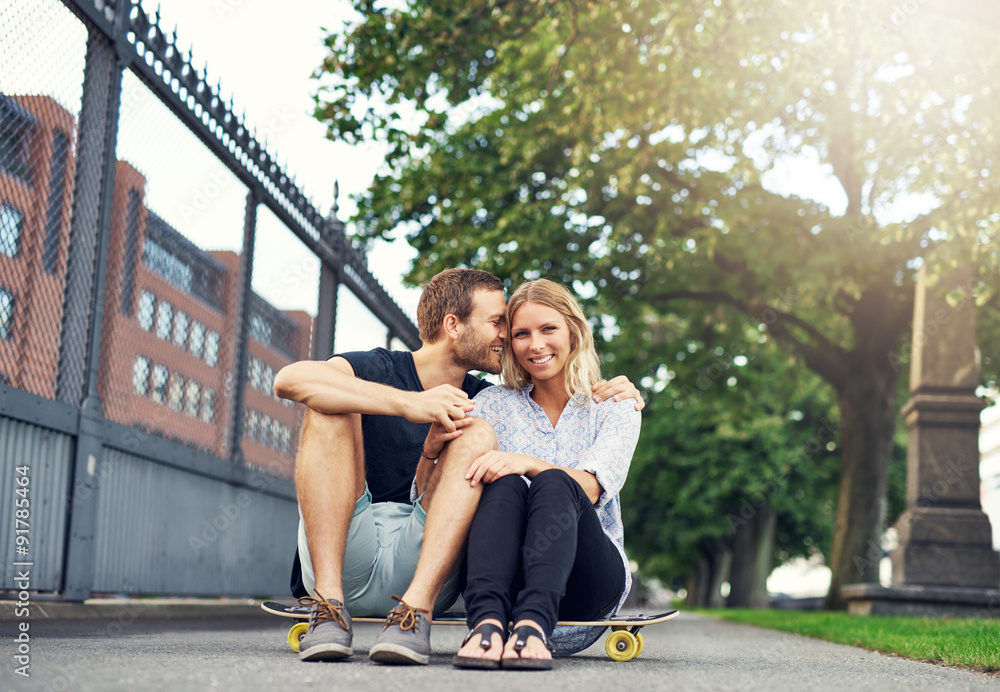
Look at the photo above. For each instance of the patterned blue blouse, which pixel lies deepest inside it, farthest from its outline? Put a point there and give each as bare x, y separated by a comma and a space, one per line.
599, 438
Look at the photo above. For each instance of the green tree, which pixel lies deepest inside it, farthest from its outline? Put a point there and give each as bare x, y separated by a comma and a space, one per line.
735, 464
626, 146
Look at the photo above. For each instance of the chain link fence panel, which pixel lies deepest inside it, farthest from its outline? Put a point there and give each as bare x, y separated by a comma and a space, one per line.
282, 313
176, 235
43, 47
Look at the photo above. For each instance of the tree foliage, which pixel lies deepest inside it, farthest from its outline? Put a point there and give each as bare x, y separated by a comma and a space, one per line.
736, 430
634, 149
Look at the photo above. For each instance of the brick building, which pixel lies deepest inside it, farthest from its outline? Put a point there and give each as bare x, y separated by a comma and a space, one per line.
36, 175
169, 307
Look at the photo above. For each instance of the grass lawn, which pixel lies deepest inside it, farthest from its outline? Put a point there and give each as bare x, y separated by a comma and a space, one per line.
952, 641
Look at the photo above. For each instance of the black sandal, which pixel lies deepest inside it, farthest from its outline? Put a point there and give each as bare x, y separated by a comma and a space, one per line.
485, 630
523, 634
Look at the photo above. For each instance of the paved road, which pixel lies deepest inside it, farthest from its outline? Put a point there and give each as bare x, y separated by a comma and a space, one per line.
248, 654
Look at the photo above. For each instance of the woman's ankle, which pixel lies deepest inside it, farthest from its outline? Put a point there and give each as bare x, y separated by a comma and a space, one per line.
533, 624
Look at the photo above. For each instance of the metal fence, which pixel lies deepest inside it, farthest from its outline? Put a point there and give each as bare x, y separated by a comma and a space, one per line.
150, 248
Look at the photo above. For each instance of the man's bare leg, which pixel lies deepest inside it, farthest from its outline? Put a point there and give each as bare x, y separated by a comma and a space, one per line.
450, 502
329, 479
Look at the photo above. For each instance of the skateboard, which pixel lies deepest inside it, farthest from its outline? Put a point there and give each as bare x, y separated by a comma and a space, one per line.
623, 644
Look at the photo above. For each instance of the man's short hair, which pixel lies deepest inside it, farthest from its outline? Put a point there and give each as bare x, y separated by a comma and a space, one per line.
451, 293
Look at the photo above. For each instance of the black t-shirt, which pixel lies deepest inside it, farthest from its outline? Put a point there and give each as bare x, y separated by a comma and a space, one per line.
392, 443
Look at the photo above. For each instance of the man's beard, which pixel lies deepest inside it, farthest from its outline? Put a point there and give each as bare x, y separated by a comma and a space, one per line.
473, 354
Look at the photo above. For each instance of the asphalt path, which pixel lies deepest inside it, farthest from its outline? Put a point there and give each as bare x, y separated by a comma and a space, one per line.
249, 653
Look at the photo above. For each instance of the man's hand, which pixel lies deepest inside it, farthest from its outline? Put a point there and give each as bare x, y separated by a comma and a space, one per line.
443, 404
492, 465
618, 389
437, 437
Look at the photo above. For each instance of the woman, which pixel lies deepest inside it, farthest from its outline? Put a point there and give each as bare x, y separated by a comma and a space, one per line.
550, 548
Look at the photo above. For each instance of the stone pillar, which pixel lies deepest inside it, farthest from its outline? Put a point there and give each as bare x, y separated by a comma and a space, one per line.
945, 562
944, 537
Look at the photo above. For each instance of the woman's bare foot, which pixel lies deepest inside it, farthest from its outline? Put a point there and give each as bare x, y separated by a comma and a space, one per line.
472, 649
534, 647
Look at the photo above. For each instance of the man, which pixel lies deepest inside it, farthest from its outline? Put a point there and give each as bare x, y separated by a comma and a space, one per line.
376, 424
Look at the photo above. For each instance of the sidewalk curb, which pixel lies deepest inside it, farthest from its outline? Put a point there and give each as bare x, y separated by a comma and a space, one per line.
131, 609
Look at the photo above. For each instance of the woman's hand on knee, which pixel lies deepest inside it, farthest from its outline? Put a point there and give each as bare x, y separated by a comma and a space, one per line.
494, 464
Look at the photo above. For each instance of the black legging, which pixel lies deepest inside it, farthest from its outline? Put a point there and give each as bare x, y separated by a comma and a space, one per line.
542, 549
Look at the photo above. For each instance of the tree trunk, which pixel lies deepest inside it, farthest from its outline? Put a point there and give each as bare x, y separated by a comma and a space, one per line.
868, 422
753, 557
721, 563
697, 585
704, 585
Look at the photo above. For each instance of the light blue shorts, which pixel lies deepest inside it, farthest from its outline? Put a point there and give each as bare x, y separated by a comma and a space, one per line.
383, 545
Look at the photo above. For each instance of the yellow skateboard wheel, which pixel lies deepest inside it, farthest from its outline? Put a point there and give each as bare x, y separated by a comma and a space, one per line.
295, 634
621, 645
638, 638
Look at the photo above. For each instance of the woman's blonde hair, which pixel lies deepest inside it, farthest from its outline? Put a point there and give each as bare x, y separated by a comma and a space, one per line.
583, 368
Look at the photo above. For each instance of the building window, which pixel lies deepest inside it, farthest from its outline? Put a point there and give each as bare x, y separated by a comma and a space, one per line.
167, 264
267, 380
260, 329
11, 225
276, 434
286, 440
212, 348
6, 313
265, 430
191, 398
180, 328
164, 313
207, 404
175, 391
159, 385
255, 371
140, 376
197, 341
15, 138
147, 305
251, 425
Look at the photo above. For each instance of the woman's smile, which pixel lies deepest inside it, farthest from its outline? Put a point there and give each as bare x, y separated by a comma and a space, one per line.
540, 338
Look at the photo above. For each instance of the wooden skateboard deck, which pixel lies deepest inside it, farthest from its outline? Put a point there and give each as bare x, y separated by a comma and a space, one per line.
302, 613
624, 642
